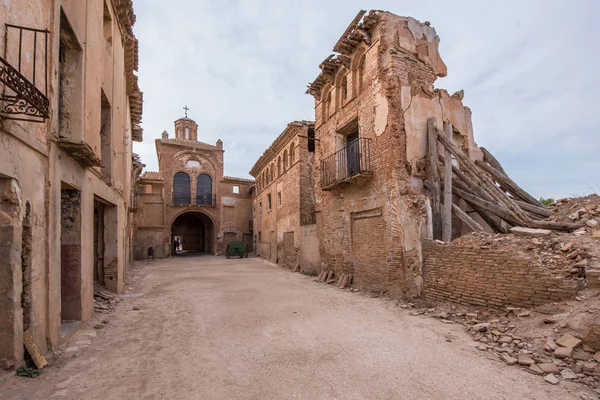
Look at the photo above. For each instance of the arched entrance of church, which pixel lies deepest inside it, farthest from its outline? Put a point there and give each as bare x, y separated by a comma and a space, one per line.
192, 232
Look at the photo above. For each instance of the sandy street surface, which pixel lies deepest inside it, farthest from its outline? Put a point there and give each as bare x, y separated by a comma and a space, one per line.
212, 328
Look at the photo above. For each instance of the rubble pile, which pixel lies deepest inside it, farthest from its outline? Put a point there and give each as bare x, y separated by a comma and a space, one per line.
577, 209
558, 341
564, 254
104, 301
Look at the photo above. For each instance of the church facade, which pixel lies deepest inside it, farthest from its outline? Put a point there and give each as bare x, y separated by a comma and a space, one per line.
188, 205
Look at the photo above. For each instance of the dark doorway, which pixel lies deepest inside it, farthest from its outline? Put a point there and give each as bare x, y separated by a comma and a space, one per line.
352, 154
99, 242
192, 232
70, 255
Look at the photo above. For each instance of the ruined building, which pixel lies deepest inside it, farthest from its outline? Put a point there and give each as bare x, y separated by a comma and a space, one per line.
384, 139
189, 200
70, 108
284, 204
372, 102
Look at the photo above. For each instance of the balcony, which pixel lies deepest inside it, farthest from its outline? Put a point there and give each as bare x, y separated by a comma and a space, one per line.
202, 200
24, 81
348, 164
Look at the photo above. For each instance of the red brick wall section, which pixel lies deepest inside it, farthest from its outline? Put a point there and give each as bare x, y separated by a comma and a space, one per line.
491, 278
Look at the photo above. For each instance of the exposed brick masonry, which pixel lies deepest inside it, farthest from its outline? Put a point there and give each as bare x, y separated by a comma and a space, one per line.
484, 277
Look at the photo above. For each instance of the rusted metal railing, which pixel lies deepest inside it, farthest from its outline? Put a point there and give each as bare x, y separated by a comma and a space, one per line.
352, 160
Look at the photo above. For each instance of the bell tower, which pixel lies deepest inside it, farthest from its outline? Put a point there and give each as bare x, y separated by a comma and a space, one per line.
186, 128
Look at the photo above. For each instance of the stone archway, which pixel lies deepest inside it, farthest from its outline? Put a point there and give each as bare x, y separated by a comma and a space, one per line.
195, 231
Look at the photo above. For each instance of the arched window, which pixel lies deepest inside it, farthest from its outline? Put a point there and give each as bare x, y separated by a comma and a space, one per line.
272, 172
204, 190
292, 154
181, 188
279, 166
341, 85
361, 73
344, 88
285, 160
268, 176
187, 133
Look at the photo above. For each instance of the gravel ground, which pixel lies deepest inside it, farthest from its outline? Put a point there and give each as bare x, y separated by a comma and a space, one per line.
212, 328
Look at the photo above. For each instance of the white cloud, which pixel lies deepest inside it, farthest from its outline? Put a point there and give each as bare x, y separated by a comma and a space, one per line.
529, 71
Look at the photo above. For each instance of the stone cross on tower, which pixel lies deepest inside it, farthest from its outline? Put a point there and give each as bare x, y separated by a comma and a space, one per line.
186, 108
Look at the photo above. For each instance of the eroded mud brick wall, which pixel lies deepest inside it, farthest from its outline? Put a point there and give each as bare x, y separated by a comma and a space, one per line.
471, 275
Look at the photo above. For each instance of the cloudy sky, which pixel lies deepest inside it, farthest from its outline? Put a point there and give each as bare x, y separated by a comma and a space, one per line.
530, 71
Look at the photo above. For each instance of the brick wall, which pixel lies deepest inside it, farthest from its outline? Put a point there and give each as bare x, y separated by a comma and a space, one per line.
470, 275
278, 228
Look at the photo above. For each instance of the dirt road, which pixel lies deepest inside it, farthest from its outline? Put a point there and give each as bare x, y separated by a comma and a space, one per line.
211, 328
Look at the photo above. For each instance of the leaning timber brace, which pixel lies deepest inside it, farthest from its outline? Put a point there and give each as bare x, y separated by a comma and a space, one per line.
482, 185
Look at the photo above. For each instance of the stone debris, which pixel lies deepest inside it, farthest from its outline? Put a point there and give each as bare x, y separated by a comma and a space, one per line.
568, 340
568, 374
592, 337
563, 352
550, 378
597, 356
508, 359
104, 301
525, 359
549, 368
483, 327
535, 369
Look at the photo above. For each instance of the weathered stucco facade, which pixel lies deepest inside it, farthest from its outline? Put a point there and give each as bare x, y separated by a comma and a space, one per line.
284, 203
66, 167
189, 198
372, 102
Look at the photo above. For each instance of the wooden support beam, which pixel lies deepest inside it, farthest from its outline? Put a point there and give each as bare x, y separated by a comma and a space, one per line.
486, 216
447, 208
490, 159
541, 211
505, 181
488, 206
486, 183
434, 177
557, 226
464, 217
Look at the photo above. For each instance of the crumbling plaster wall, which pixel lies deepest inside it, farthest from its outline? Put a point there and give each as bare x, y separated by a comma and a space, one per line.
403, 53
27, 168
40, 167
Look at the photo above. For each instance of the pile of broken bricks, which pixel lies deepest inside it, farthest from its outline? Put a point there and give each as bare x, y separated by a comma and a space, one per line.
566, 358
104, 301
328, 277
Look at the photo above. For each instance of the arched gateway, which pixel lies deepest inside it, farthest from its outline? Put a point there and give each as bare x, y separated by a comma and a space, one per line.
192, 231
188, 205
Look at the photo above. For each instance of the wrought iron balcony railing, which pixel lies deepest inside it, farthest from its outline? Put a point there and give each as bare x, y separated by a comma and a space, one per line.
22, 95
352, 161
